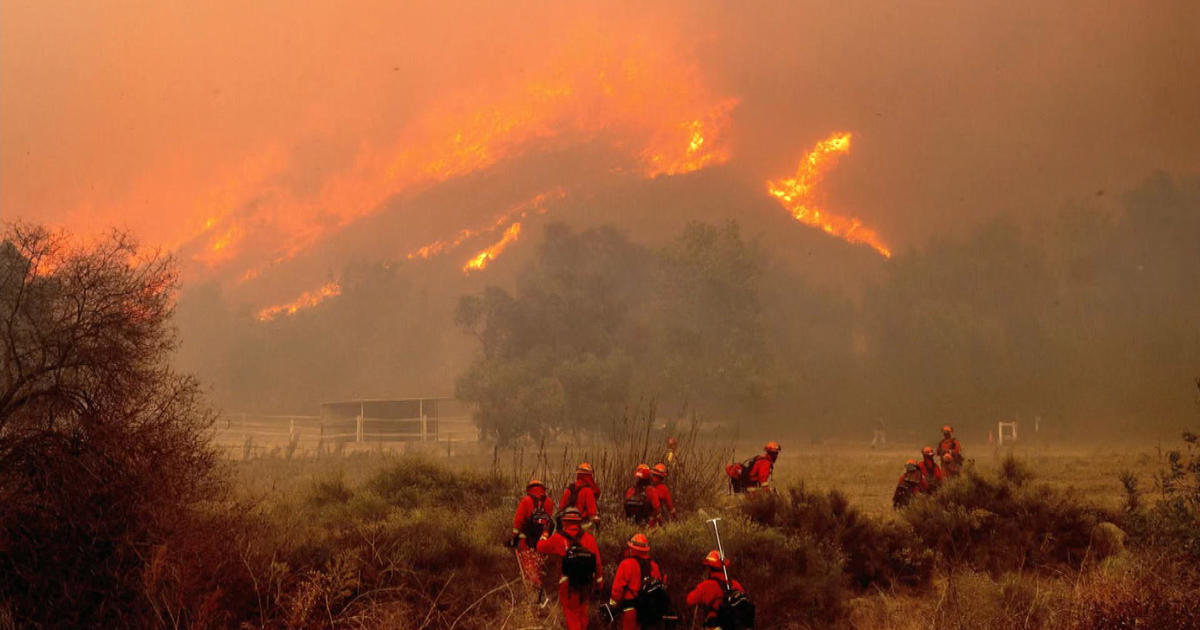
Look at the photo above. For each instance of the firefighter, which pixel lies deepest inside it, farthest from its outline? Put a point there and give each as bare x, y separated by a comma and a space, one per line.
709, 594
581, 567
930, 471
581, 495
950, 444
642, 505
951, 466
628, 582
658, 476
764, 466
529, 523
669, 457
911, 483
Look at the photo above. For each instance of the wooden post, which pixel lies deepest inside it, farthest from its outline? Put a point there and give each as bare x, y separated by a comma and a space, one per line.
361, 415
424, 425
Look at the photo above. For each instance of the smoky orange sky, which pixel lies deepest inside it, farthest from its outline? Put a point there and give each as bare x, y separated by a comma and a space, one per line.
272, 125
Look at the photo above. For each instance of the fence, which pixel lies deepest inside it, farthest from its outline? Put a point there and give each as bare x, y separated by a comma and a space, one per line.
252, 435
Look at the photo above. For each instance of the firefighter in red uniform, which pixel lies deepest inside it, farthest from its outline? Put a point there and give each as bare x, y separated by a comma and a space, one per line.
930, 471
950, 444
760, 472
642, 503
951, 466
581, 495
710, 593
574, 590
627, 583
529, 523
659, 476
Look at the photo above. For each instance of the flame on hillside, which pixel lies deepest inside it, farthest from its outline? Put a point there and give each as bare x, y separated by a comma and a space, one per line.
306, 300
651, 106
534, 205
481, 260
796, 195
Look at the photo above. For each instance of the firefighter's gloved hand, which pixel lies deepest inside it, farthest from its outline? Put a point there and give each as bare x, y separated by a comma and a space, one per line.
511, 543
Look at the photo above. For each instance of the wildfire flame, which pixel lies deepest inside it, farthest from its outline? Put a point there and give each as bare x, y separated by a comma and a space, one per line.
796, 195
536, 205
306, 300
655, 108
481, 260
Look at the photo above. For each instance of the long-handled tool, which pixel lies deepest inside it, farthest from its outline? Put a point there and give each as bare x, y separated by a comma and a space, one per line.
720, 549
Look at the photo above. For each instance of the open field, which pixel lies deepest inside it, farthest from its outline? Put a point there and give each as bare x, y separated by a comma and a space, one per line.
866, 476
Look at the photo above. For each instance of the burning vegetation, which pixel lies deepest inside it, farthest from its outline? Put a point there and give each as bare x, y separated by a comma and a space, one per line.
797, 194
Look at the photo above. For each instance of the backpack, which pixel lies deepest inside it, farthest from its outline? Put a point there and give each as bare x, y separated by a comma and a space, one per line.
739, 474
539, 521
579, 564
736, 611
638, 506
652, 602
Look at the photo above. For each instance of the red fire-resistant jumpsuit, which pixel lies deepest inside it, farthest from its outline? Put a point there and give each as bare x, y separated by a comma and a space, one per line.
628, 582
760, 472
533, 566
664, 496
574, 601
653, 498
931, 474
950, 445
709, 594
585, 499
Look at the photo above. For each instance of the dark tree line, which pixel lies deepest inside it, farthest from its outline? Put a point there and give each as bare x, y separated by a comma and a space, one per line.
1090, 320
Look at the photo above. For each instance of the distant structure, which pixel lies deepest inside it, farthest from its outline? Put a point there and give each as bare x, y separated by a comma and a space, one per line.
395, 420
1001, 435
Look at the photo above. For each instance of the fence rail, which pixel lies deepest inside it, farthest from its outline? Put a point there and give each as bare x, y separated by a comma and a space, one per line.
257, 434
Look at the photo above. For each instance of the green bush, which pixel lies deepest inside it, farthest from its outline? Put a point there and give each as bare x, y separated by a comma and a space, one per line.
416, 482
792, 579
1005, 523
875, 552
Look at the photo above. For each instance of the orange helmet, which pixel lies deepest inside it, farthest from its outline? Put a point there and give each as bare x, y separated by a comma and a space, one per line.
947, 429
948, 457
659, 470
584, 469
910, 464
772, 447
639, 542
927, 451
672, 442
713, 560
534, 483
571, 515
641, 472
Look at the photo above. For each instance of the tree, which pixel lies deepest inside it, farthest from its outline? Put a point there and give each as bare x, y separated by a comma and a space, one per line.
559, 354
713, 345
103, 451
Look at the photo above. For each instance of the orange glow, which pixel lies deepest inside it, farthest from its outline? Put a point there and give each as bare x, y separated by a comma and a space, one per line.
536, 205
481, 260
651, 106
306, 300
796, 195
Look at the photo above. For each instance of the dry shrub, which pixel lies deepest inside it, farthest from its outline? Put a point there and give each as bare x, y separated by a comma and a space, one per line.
998, 524
876, 552
1151, 590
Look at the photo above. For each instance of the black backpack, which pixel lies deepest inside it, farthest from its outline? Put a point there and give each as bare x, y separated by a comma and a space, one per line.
740, 477
736, 611
579, 564
652, 602
539, 521
638, 506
